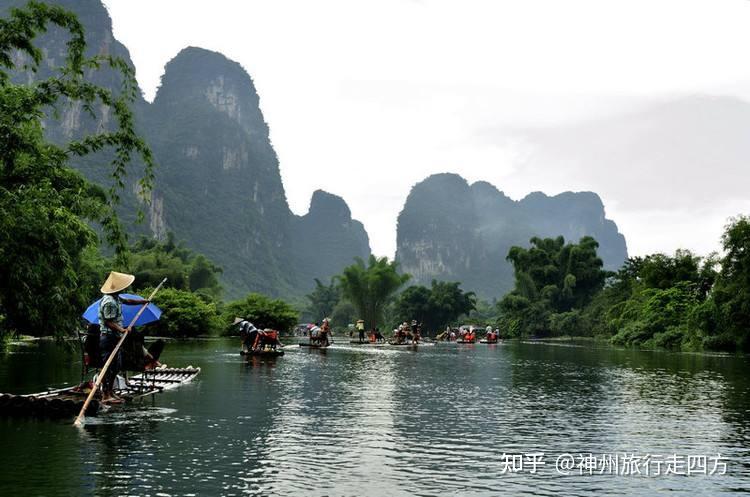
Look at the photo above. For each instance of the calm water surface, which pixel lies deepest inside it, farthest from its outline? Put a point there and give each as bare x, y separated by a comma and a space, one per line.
385, 421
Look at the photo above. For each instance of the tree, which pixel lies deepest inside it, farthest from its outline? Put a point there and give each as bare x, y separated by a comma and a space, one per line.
342, 315
262, 311
656, 300
484, 313
151, 261
448, 302
323, 299
662, 271
552, 277
731, 293
435, 307
370, 287
203, 276
45, 206
656, 317
184, 314
413, 303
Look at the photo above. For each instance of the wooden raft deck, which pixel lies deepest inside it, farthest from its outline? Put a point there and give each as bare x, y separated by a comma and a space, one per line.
67, 402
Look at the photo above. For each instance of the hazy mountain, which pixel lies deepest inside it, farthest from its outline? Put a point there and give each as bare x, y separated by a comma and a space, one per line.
450, 230
73, 121
326, 238
218, 185
218, 181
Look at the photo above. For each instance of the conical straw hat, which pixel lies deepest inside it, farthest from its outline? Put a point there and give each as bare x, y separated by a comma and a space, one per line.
117, 282
237, 321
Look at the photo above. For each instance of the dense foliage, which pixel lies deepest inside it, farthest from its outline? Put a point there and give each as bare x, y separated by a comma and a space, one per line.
184, 314
322, 300
651, 300
46, 207
553, 281
262, 311
371, 287
483, 314
725, 319
51, 216
151, 261
681, 301
434, 307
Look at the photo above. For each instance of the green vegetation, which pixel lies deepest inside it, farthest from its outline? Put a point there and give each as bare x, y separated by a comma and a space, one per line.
47, 244
681, 301
262, 311
484, 313
51, 216
322, 300
53, 222
371, 287
725, 319
651, 300
184, 314
553, 281
434, 307
152, 261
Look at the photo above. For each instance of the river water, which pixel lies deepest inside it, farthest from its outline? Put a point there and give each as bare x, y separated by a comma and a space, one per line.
440, 420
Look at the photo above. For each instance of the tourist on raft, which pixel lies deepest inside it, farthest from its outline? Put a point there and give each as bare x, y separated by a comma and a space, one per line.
111, 329
376, 336
325, 331
361, 330
319, 334
253, 339
415, 332
400, 333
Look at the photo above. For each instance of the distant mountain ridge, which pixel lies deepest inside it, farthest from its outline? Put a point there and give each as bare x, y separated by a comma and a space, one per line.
218, 184
218, 187
450, 230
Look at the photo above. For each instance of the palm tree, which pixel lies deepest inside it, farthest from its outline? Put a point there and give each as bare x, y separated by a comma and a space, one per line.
371, 287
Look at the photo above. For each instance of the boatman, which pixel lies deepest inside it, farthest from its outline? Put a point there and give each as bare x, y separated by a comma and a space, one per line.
361, 330
111, 325
248, 333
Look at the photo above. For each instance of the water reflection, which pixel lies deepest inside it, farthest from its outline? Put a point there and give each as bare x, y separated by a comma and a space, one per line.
386, 421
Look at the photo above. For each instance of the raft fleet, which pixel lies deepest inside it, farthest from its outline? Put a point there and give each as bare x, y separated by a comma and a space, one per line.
67, 401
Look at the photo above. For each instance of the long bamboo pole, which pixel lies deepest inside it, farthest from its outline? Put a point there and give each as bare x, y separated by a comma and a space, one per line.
103, 371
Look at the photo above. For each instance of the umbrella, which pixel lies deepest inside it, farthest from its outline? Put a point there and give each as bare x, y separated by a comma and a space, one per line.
149, 315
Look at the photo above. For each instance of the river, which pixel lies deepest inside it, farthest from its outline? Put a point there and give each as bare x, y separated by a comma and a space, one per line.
518, 418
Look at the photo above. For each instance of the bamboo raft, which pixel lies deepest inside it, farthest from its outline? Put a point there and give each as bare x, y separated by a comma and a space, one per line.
263, 353
314, 346
357, 342
68, 401
409, 344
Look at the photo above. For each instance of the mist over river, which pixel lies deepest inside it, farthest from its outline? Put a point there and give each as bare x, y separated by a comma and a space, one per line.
518, 418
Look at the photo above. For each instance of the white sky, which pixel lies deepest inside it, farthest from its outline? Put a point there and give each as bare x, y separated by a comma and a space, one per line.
366, 98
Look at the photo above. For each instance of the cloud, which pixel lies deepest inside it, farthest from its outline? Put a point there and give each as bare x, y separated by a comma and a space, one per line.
670, 174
